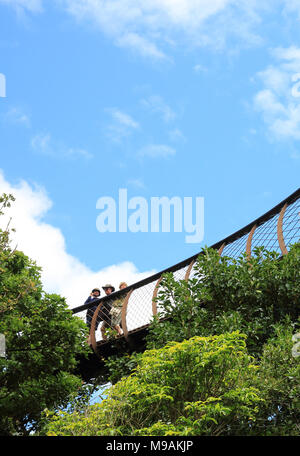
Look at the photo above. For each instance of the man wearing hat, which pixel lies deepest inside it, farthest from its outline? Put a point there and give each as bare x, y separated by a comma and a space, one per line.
95, 294
105, 311
108, 289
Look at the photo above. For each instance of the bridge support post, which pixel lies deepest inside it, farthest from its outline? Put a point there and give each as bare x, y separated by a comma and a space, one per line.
280, 231
124, 313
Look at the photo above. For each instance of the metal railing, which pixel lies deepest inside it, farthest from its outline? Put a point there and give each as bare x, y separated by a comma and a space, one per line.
276, 230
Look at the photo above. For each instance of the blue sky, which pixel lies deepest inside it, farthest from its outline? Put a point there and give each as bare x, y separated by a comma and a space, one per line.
167, 98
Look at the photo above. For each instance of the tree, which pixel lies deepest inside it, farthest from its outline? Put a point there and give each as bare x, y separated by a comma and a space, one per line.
224, 295
42, 341
201, 386
279, 383
221, 363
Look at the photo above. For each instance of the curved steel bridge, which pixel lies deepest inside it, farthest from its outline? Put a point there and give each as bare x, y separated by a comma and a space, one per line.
276, 230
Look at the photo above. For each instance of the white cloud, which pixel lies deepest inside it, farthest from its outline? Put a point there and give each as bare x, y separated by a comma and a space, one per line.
62, 273
292, 6
156, 151
140, 44
176, 135
149, 25
198, 68
138, 183
156, 104
122, 125
279, 99
42, 143
123, 118
15, 115
153, 27
34, 6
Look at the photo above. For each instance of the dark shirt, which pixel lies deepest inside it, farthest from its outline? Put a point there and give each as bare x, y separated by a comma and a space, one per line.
103, 314
90, 312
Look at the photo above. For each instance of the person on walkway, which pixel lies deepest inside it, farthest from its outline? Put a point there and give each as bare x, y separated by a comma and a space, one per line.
105, 310
116, 311
95, 294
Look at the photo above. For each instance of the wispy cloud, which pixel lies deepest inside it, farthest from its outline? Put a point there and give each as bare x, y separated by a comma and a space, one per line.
16, 116
137, 183
33, 6
198, 68
121, 125
43, 144
140, 44
176, 135
151, 26
279, 98
156, 151
156, 104
123, 118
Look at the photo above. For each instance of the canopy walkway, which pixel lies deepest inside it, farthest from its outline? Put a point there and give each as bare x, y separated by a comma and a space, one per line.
276, 230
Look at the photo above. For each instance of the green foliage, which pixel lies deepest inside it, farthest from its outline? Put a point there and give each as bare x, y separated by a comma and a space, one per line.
201, 386
279, 383
225, 294
120, 366
259, 297
249, 295
42, 340
198, 375
219, 363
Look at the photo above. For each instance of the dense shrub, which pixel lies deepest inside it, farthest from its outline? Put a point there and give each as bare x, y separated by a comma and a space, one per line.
201, 386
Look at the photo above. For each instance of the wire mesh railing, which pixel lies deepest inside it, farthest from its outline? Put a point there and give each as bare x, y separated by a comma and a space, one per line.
134, 307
